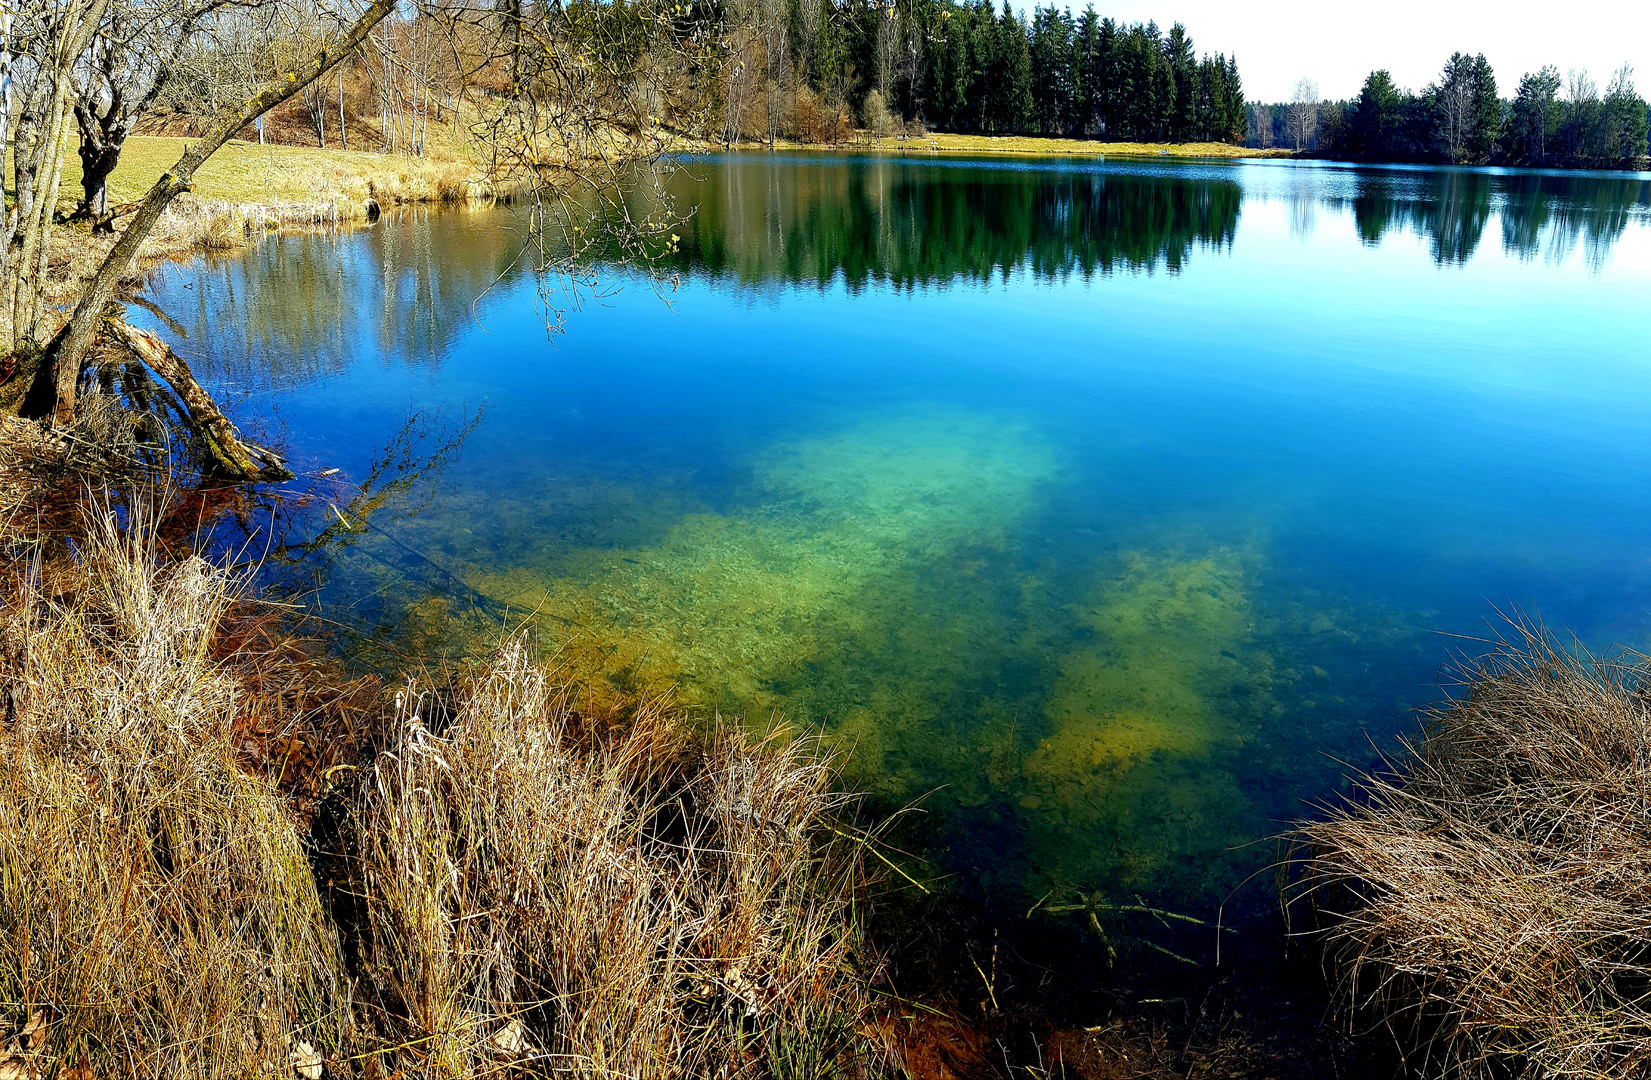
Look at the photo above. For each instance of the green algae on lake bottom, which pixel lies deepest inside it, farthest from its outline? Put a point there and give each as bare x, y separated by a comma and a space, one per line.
872, 581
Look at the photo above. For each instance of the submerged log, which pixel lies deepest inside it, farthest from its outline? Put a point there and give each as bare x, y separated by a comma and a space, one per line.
227, 453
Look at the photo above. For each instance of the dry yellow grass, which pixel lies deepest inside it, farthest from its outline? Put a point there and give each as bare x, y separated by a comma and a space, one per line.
1025, 145
606, 898
158, 914
530, 888
244, 172
1488, 899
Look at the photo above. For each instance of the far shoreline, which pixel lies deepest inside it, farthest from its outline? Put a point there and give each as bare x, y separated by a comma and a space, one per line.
940, 144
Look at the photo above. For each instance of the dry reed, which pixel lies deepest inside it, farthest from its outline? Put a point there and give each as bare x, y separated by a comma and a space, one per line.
1488, 898
606, 898
158, 914
509, 883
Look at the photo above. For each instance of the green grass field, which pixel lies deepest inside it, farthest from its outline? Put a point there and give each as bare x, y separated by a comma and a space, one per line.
240, 172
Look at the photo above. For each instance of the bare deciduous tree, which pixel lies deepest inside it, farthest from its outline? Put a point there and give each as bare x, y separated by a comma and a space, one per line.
772, 16
70, 346
1304, 114
50, 38
888, 45
131, 59
1261, 125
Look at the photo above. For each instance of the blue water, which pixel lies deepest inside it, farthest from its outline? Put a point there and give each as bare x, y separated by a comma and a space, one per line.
1094, 508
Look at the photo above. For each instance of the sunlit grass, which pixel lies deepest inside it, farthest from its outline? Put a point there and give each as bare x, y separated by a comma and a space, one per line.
948, 143
243, 171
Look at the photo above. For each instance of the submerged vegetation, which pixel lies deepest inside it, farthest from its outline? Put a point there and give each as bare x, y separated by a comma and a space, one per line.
874, 581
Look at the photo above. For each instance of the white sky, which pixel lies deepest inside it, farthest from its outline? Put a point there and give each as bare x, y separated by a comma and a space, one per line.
1337, 42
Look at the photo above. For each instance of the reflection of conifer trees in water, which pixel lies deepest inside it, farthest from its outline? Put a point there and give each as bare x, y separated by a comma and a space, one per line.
1548, 215
909, 224
300, 308
1455, 218
1540, 214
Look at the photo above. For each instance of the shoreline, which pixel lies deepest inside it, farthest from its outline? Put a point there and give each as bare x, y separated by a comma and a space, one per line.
940, 143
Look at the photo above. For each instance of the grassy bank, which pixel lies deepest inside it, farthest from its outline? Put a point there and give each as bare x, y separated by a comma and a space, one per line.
245, 172
222, 857
242, 194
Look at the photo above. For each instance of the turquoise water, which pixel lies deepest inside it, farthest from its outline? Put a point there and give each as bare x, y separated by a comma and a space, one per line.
1097, 508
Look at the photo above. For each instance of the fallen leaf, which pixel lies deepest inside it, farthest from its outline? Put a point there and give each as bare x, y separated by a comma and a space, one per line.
306, 1060
512, 1038
36, 1030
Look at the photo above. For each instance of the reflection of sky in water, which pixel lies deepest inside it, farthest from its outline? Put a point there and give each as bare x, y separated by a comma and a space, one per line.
1113, 559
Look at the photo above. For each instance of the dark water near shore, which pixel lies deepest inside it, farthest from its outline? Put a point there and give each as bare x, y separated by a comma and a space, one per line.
1097, 506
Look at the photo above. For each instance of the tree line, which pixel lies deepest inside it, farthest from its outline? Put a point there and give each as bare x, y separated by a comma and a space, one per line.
969, 67
1462, 119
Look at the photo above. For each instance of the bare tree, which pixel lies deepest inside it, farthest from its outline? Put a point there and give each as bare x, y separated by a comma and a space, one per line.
773, 16
50, 38
70, 346
1457, 104
1581, 105
888, 45
231, 54
1303, 116
131, 59
1261, 125
809, 18
739, 37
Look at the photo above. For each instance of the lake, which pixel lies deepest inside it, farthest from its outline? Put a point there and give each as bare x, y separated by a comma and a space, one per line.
1098, 509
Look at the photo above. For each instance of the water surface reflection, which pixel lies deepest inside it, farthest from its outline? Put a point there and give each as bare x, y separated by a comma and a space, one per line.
1099, 506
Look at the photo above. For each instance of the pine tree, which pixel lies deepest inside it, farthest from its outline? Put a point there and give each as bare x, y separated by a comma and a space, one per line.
1237, 114
1534, 129
1183, 112
1085, 96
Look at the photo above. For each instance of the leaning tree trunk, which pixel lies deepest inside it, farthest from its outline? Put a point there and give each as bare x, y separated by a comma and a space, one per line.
69, 348
227, 453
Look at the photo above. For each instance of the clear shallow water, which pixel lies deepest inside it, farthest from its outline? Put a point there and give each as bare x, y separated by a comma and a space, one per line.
1096, 506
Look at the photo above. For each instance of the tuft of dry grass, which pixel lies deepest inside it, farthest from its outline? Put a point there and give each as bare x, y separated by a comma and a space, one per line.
190, 887
157, 909
1488, 899
615, 898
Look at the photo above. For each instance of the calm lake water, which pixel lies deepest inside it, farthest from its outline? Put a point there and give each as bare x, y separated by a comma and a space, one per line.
1097, 506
